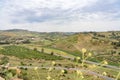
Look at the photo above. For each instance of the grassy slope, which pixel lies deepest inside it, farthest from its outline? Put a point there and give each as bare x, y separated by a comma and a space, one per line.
23, 52
99, 46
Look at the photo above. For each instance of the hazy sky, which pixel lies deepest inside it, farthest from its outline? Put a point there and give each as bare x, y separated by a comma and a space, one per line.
60, 15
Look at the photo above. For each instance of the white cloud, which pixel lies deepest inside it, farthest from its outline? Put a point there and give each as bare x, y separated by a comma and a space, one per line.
63, 4
56, 15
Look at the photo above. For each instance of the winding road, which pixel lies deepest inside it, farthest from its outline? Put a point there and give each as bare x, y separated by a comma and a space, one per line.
71, 57
73, 69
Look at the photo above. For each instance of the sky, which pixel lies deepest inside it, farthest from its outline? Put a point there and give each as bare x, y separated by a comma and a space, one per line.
60, 15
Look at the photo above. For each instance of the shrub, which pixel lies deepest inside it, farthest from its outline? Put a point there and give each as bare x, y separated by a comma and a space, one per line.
4, 60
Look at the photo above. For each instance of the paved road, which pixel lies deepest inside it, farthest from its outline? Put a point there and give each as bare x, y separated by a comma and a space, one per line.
82, 70
87, 71
90, 62
107, 66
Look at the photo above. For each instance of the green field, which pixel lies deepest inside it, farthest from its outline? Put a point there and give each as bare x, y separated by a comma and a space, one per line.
22, 52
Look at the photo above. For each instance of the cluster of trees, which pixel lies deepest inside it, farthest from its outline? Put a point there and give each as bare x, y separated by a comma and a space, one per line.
4, 42
27, 41
117, 44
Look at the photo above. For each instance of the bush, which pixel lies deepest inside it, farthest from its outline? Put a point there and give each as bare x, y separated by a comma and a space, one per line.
4, 60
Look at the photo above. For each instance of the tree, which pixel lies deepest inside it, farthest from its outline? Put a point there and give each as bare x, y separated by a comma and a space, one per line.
35, 49
42, 50
26, 41
52, 53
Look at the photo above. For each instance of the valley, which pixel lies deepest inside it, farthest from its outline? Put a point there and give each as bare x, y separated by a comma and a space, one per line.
60, 55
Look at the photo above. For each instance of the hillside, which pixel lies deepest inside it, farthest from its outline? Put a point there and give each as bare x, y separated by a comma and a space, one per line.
104, 45
18, 36
92, 55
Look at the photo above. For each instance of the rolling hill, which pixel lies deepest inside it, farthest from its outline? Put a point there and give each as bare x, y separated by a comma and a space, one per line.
103, 45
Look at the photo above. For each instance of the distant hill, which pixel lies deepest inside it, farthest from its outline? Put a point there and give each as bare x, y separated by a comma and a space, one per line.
20, 35
15, 30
